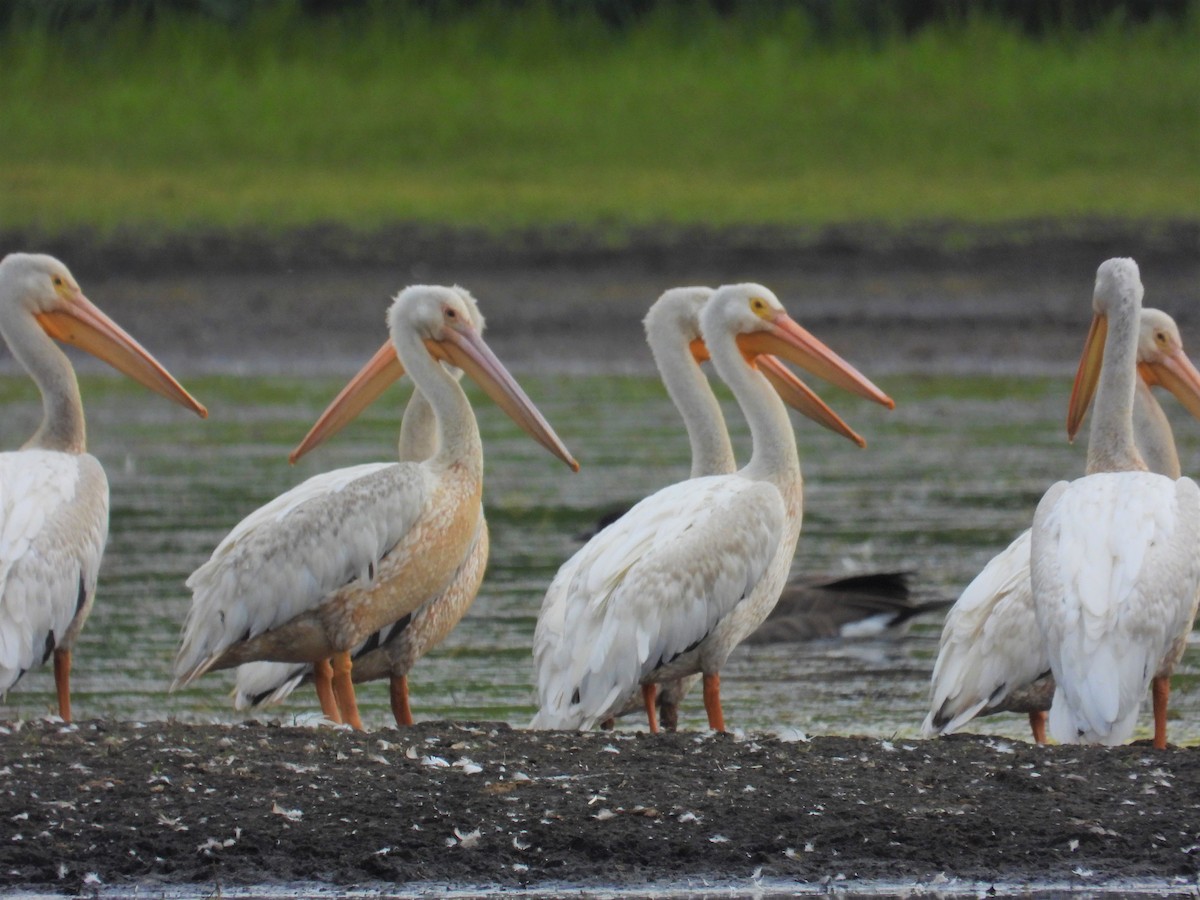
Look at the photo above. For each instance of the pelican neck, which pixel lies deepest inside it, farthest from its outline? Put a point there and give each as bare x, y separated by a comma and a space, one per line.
774, 457
1111, 447
418, 430
1152, 432
62, 427
712, 451
457, 430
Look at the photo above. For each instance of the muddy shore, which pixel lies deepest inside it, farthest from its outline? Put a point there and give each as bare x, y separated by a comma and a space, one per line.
111, 804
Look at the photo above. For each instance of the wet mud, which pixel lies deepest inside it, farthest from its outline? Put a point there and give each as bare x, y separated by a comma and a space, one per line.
118, 803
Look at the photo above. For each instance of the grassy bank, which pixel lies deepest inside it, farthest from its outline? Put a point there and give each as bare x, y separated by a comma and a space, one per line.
528, 118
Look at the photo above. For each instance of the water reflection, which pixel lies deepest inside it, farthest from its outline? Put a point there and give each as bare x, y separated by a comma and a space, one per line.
948, 479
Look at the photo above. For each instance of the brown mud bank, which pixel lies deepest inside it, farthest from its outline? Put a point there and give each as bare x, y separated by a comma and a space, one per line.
100, 805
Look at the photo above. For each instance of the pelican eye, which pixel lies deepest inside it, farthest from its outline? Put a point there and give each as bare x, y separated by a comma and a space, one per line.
58, 282
760, 307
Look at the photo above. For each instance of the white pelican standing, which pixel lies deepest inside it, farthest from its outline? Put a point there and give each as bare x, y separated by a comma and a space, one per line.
988, 660
392, 652
672, 587
1114, 570
310, 575
673, 333
53, 493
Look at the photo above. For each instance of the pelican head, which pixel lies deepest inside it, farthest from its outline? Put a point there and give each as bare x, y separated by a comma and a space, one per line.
678, 312
1163, 362
1118, 283
441, 319
39, 286
1117, 295
762, 326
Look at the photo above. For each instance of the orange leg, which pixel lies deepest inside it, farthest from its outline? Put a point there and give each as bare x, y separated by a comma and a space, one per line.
323, 682
712, 701
62, 681
400, 708
1037, 724
1160, 689
343, 690
649, 694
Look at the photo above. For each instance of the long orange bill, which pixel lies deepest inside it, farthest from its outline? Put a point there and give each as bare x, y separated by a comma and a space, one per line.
363, 389
463, 347
794, 392
798, 395
786, 338
81, 324
1176, 373
1087, 376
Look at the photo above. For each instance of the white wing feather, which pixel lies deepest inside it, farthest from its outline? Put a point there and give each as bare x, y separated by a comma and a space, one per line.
265, 683
52, 535
285, 558
990, 644
647, 589
1115, 578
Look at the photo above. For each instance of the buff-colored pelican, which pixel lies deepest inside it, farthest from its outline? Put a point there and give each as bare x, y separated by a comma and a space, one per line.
316, 571
392, 652
1114, 568
53, 493
990, 659
673, 333
672, 587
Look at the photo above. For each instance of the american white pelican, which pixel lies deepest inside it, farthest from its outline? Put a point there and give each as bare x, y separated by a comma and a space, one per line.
672, 587
313, 573
673, 333
989, 660
53, 493
392, 652
1114, 569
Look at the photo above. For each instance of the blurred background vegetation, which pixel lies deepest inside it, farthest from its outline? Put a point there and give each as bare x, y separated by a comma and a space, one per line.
273, 114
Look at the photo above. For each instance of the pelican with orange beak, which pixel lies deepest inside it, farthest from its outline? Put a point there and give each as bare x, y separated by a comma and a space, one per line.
1114, 569
53, 493
670, 588
991, 658
313, 573
673, 334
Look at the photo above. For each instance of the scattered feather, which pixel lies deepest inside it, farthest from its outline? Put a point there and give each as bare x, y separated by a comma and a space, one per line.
469, 840
292, 815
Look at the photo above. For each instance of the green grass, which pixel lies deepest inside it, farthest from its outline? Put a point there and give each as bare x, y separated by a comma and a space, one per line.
526, 118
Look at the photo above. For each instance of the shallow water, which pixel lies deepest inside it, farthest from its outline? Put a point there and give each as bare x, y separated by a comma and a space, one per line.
949, 477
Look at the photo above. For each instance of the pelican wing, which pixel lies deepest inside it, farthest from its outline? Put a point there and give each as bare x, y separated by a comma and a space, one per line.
647, 589
53, 526
990, 643
265, 683
285, 558
1115, 578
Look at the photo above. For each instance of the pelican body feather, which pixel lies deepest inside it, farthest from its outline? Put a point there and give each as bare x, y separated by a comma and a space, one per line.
53, 527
